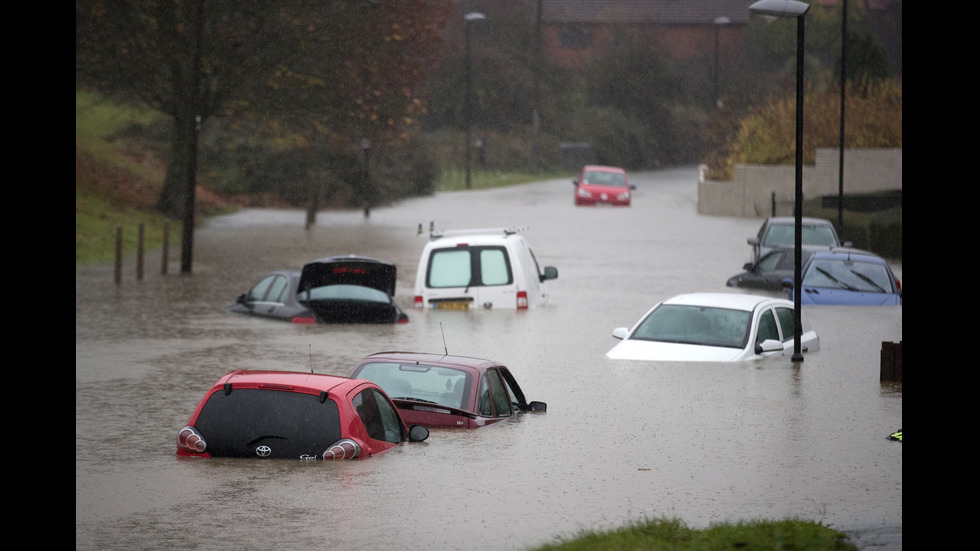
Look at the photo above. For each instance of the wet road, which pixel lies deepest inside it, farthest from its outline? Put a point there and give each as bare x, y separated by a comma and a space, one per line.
621, 441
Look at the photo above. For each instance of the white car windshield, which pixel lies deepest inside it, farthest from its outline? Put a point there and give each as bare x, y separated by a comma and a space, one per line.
695, 325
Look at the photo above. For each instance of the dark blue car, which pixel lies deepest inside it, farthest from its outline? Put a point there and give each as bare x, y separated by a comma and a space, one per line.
848, 276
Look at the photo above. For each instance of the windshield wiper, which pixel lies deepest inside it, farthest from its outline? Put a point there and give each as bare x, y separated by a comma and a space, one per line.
834, 279
868, 279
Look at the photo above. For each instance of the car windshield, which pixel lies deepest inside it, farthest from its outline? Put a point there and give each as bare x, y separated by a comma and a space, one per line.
785, 236
605, 179
866, 277
444, 386
295, 424
699, 325
346, 292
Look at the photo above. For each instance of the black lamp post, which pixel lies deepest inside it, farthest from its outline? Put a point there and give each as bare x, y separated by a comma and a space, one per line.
794, 9
366, 190
470, 17
719, 21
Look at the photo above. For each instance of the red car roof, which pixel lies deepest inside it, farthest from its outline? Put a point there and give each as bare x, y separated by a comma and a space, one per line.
310, 383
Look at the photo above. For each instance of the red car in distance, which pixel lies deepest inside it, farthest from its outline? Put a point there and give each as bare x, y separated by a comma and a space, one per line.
603, 185
293, 415
442, 391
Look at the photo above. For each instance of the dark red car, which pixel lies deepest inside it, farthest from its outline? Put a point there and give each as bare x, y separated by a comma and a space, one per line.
283, 414
607, 185
442, 391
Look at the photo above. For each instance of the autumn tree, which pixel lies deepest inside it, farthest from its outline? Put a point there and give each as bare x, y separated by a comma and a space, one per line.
309, 71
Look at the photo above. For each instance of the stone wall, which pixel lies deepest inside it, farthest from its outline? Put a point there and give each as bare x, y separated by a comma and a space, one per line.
757, 189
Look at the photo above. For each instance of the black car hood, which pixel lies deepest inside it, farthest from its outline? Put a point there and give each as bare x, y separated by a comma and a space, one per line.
349, 270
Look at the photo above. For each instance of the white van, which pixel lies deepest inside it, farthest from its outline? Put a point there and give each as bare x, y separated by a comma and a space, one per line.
481, 268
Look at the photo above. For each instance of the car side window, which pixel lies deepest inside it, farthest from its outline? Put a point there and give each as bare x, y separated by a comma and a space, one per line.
378, 415
767, 327
277, 291
484, 406
261, 288
787, 322
501, 399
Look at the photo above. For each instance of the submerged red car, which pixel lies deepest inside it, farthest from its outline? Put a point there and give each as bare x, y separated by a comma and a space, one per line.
603, 185
294, 415
442, 391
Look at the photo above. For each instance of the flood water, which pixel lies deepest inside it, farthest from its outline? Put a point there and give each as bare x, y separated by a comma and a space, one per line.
621, 441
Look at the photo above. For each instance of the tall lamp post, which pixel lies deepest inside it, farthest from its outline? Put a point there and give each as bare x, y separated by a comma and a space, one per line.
719, 21
794, 9
470, 17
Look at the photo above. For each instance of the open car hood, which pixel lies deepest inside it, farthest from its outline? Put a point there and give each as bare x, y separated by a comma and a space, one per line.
349, 270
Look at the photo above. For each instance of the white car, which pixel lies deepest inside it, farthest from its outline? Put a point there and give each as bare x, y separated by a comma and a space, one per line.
484, 268
713, 327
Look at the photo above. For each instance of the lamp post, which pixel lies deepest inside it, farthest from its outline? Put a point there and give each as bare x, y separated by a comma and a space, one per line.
366, 190
470, 17
794, 9
719, 21
843, 95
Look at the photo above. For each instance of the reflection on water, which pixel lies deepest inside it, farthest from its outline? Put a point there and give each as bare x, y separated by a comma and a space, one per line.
620, 440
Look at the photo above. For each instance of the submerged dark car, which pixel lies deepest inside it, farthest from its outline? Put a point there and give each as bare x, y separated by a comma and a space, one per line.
335, 289
770, 271
442, 391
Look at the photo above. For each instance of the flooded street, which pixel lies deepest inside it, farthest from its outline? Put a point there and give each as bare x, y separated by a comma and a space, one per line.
621, 440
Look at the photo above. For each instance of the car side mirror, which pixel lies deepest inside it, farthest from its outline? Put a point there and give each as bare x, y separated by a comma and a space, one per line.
575, 183
620, 332
768, 345
787, 284
417, 433
537, 406
550, 272
748, 266
240, 299
752, 241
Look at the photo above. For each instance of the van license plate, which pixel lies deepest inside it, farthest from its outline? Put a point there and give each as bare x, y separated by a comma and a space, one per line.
452, 305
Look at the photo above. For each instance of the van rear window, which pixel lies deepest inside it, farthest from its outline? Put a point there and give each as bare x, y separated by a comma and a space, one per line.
469, 266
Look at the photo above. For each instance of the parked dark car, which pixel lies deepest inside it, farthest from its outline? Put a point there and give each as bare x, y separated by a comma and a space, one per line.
770, 271
293, 415
442, 391
780, 231
336, 289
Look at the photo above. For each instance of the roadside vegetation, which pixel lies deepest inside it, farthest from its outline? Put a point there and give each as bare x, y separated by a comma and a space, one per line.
674, 535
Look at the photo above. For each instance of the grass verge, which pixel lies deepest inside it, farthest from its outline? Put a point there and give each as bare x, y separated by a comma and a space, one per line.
674, 535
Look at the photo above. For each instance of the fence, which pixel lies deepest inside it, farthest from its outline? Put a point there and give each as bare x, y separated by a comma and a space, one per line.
140, 264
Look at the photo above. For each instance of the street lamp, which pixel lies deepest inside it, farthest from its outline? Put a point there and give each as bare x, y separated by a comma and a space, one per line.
790, 9
470, 17
719, 21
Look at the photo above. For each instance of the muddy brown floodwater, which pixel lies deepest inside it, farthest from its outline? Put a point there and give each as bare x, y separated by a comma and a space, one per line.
621, 441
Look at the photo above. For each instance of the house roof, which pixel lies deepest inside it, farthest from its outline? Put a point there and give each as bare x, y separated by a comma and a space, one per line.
658, 12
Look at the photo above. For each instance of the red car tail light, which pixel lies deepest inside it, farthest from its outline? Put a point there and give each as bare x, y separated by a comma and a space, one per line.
898, 284
303, 320
521, 300
190, 441
419, 302
342, 449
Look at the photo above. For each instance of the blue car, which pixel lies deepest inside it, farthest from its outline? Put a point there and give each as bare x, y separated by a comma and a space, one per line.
847, 276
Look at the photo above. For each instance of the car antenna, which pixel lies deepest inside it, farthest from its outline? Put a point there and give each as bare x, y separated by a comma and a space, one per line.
311, 357
445, 348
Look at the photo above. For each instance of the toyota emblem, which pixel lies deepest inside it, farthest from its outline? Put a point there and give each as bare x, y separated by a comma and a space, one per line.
263, 451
